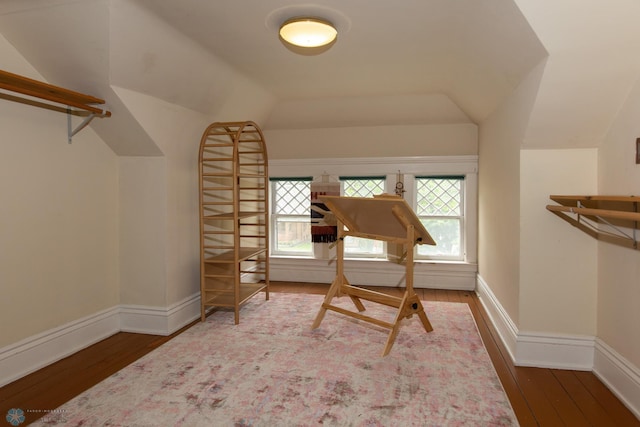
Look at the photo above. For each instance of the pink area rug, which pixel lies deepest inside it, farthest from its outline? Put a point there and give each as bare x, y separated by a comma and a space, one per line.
273, 370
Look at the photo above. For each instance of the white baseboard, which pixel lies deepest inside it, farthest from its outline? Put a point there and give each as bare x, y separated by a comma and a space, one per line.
564, 352
159, 320
29, 355
506, 328
455, 276
542, 350
619, 375
555, 351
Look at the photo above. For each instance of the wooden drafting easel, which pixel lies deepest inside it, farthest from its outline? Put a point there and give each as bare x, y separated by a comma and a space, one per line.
387, 218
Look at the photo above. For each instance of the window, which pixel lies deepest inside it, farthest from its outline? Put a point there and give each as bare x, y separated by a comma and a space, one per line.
440, 207
290, 222
367, 186
441, 190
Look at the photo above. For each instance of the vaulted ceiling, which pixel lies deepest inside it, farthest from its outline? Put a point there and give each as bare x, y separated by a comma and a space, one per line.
473, 52
420, 54
403, 62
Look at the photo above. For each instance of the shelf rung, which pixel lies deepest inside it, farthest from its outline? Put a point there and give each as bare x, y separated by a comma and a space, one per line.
218, 159
218, 145
218, 290
217, 188
221, 133
218, 174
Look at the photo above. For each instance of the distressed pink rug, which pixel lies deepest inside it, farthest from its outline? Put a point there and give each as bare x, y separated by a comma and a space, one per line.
273, 370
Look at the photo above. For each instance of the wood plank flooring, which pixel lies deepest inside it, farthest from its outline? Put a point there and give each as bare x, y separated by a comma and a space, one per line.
540, 397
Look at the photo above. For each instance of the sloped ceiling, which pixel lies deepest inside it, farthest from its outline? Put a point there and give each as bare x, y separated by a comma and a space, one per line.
472, 52
593, 63
412, 61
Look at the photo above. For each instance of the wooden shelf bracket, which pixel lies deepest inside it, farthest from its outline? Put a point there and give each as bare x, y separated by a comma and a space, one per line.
613, 219
43, 95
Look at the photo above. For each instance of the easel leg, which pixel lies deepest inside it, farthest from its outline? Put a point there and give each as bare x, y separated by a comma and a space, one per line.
356, 301
338, 282
333, 290
396, 326
409, 306
415, 306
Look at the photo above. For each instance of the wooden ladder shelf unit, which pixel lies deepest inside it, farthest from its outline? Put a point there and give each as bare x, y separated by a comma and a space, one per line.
234, 217
34, 93
612, 219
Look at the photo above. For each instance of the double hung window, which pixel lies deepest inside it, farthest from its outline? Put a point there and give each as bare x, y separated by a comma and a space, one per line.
440, 207
290, 222
438, 200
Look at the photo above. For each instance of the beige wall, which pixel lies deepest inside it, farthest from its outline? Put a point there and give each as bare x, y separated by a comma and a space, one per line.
558, 263
82, 229
142, 215
618, 267
500, 139
159, 196
58, 218
373, 141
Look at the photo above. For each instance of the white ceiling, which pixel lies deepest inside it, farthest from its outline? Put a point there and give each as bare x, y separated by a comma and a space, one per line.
474, 52
407, 61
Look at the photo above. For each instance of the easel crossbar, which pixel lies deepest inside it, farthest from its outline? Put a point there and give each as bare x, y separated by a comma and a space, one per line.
370, 295
358, 316
400, 240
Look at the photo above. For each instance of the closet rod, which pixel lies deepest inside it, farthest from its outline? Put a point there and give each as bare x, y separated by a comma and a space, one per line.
34, 88
34, 103
604, 213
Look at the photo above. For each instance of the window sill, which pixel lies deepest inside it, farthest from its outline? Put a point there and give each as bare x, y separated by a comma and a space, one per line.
431, 274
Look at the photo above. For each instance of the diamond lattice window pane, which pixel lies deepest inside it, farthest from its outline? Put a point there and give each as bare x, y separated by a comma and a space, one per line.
363, 187
292, 197
439, 197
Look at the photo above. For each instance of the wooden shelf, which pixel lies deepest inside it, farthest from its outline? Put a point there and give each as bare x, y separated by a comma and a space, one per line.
613, 219
229, 256
50, 97
219, 298
47, 92
231, 215
234, 218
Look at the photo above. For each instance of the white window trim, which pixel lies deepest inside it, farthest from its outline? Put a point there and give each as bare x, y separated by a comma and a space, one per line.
463, 224
273, 226
419, 165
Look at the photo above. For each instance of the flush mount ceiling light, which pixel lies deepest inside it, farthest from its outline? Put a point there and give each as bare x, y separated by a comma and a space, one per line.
308, 32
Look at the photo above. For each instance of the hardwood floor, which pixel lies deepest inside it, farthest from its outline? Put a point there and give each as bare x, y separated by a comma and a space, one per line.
540, 397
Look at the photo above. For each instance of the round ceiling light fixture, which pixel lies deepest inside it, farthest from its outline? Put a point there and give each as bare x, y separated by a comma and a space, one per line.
308, 32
